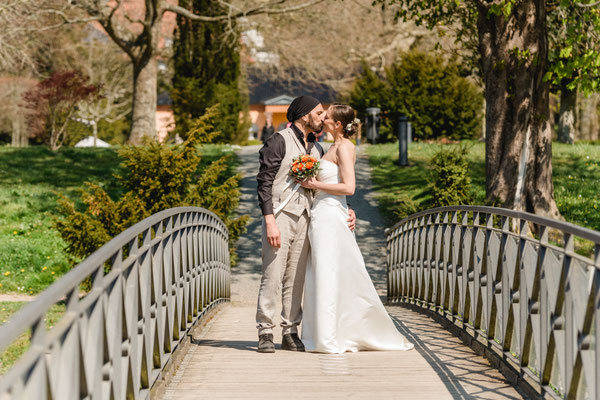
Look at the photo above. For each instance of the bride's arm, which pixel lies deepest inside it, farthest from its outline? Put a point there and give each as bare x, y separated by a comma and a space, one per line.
347, 185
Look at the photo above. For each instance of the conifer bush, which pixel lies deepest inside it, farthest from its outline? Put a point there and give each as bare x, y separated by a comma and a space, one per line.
451, 183
157, 177
430, 90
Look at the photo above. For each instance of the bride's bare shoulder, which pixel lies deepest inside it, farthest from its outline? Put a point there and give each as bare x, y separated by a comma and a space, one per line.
346, 150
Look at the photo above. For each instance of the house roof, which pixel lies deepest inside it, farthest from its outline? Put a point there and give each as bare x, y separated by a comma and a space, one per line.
263, 89
282, 100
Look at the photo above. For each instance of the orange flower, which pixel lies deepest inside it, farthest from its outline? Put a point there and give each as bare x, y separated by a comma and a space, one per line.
309, 165
295, 169
300, 167
304, 158
312, 159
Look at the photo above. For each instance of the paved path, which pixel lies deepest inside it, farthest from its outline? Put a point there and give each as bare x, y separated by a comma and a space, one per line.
223, 363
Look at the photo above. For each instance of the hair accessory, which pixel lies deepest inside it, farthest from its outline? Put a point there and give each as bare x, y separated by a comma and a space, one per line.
355, 121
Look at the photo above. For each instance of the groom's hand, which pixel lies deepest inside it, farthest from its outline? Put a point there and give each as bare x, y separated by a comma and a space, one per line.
351, 219
273, 234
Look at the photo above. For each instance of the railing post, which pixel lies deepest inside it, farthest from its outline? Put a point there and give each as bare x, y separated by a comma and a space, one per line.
541, 296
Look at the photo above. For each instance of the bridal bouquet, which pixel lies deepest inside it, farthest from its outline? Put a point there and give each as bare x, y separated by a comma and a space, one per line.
304, 167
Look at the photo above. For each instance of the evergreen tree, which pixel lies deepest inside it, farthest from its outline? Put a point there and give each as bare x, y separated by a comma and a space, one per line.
207, 72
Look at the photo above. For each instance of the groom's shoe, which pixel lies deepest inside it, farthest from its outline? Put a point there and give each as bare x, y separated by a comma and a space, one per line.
292, 342
265, 343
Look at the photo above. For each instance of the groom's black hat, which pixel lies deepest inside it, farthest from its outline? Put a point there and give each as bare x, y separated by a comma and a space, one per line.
301, 106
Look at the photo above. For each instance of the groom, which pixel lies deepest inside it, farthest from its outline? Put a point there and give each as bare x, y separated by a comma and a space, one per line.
286, 214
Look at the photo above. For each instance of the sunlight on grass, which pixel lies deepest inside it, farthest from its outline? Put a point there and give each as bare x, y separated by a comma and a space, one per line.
576, 173
20, 346
32, 253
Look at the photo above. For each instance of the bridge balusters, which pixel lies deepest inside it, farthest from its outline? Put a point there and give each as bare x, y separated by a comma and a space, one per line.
147, 288
516, 283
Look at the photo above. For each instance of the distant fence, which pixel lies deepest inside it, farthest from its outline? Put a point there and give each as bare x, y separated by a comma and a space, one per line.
516, 285
148, 287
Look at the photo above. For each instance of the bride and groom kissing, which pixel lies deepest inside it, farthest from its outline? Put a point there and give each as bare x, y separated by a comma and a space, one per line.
308, 244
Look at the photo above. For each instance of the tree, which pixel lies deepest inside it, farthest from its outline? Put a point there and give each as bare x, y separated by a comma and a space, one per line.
136, 28
207, 72
14, 113
106, 69
512, 39
351, 32
574, 34
53, 102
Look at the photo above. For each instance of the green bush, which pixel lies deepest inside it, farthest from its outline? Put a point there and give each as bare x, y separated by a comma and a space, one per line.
157, 177
398, 204
451, 183
369, 90
430, 90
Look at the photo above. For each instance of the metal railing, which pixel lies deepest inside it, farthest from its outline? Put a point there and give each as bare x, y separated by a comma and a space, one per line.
147, 288
515, 284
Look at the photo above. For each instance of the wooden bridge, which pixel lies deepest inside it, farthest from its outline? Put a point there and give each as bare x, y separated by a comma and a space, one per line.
499, 305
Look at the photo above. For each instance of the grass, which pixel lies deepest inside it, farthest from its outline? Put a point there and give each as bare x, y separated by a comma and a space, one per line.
20, 345
576, 174
32, 252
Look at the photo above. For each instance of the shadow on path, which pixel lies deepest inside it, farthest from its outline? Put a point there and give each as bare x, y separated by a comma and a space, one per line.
457, 366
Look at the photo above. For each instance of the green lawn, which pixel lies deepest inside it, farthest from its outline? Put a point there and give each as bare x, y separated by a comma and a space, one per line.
576, 171
19, 346
32, 253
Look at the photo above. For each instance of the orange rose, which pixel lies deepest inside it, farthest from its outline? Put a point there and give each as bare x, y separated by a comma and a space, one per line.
300, 167
309, 165
295, 169
312, 159
304, 158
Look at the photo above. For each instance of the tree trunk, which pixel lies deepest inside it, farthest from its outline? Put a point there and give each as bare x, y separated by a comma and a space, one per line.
588, 117
95, 132
514, 52
19, 136
144, 102
566, 121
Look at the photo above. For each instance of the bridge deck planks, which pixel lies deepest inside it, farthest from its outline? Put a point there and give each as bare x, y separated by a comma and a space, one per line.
223, 364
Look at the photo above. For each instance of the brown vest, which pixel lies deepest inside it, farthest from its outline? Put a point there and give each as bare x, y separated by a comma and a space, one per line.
283, 183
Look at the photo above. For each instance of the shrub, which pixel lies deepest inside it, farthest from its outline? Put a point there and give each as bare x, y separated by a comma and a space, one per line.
397, 205
156, 177
451, 183
430, 90
438, 101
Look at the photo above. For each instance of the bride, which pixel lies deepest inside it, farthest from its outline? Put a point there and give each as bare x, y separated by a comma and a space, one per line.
342, 311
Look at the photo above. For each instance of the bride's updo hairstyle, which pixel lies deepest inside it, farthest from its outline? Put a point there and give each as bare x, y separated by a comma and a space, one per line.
347, 117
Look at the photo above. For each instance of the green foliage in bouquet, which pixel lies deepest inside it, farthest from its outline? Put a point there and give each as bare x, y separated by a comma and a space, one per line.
451, 183
157, 177
304, 167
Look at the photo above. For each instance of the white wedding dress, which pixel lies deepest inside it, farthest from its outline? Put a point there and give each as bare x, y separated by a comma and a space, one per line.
342, 311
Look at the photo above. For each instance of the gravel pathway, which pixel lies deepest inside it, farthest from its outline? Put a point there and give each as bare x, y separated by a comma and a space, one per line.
369, 232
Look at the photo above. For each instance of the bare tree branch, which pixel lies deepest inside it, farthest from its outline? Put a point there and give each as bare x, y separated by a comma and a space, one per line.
240, 14
588, 4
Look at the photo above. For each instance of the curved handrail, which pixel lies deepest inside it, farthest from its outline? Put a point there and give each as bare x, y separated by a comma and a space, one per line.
165, 273
514, 283
567, 227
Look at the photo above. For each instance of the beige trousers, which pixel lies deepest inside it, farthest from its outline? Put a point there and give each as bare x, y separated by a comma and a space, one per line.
284, 267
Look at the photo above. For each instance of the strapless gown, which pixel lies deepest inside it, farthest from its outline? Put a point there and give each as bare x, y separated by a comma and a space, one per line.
342, 310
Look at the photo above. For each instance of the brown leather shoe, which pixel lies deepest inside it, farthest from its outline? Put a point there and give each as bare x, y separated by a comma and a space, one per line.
292, 342
265, 343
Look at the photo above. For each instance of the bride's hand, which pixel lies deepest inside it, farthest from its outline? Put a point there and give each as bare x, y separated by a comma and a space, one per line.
310, 183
